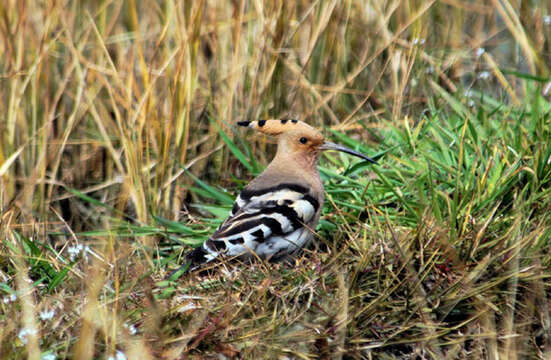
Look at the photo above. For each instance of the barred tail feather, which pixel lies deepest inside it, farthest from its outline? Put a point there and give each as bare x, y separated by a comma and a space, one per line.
197, 257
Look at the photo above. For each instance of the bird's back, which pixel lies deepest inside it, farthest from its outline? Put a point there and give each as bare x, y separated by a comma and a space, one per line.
272, 217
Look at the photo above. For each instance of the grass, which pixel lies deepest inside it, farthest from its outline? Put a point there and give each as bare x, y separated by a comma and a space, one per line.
118, 153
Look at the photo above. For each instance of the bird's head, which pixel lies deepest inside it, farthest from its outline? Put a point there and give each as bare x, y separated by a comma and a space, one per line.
298, 139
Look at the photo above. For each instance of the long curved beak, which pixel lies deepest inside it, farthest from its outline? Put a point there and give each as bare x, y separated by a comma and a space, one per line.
327, 145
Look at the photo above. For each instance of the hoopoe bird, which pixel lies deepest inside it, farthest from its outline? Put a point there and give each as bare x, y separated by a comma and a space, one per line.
276, 213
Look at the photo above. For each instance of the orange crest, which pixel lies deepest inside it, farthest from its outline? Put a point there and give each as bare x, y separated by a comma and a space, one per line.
276, 127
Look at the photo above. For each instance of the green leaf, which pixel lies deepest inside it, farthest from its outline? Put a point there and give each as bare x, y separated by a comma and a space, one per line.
236, 152
177, 226
211, 191
60, 276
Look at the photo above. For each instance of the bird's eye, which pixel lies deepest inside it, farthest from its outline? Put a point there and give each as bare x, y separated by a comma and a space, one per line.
303, 140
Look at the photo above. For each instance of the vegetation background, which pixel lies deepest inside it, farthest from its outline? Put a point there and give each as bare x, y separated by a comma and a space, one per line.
119, 152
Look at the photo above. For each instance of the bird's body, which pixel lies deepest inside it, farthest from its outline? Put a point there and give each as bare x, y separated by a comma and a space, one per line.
276, 213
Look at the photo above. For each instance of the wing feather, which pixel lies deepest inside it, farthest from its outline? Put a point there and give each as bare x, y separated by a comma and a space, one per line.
261, 214
268, 221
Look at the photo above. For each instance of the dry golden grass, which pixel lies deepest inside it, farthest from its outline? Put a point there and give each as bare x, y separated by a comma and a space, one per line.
116, 116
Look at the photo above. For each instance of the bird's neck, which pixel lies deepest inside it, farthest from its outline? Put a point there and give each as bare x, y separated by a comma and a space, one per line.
305, 163
301, 168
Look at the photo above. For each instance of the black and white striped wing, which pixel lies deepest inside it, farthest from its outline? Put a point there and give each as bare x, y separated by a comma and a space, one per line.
261, 215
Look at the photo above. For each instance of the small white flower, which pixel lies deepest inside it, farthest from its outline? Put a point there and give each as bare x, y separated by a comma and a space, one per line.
119, 355
9, 298
47, 314
480, 51
547, 19
484, 75
75, 251
23, 333
429, 70
48, 356
418, 41
86, 251
131, 328
470, 103
468, 93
